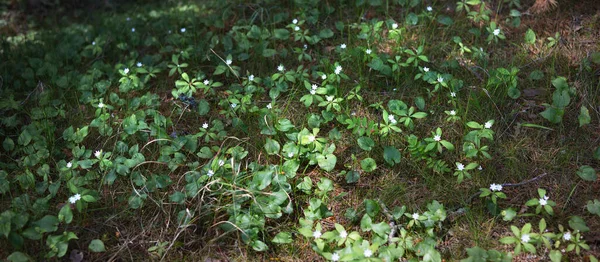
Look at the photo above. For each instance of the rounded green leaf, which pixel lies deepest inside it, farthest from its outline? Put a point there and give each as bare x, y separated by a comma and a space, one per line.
366, 143
587, 173
97, 246
368, 164
282, 238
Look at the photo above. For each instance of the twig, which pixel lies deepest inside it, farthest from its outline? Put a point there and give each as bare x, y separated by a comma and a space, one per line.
392, 221
525, 182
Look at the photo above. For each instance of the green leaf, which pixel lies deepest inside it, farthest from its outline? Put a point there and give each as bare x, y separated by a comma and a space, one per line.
8, 144
18, 257
412, 19
259, 246
552, 114
327, 162
368, 164
48, 223
262, 179
587, 173
325, 33
203, 107
555, 256
420, 102
577, 223
514, 92
381, 229
272, 147
391, 155
282, 238
352, 176
584, 116
366, 223
65, 214
594, 207
596, 57
366, 143
445, 20
536, 75
281, 34
97, 246
372, 207
508, 214
530, 36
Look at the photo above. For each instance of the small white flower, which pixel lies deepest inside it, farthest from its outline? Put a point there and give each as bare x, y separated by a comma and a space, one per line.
127, 18
343, 234
543, 202
452, 94
297, 28
391, 118
338, 70
311, 138
546, 197
169, 31
460, 167
437, 138
206, 82
496, 32
479, 168
368, 51
234, 105
496, 187
139, 64
94, 43
182, 30
415, 216
312, 92
426, 69
440, 79
221, 162
335, 257
323, 77
73, 199
210, 173
291, 154
567, 236
98, 153
228, 61
317, 234
205, 125
452, 113
394, 26
280, 68
562, 250
269, 106
126, 71
343, 46
305, 46
251, 78
295, 21
525, 238
330, 98
133, 29
488, 124
429, 9
100, 105
314, 87
368, 253
69, 165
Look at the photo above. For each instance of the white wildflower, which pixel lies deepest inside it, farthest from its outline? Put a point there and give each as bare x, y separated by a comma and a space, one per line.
94, 43
452, 113
98, 153
415, 216
426, 69
525, 238
335, 257
543, 202
221, 162
126, 71
460, 167
311, 138
182, 30
228, 61
368, 51
69, 165
488, 124
297, 28
133, 29
317, 234
269, 106
205, 125
323, 77
440, 79
234, 105
368, 253
437, 138
496, 187
496, 32
452, 94
295, 21
251, 78
206, 82
338, 70
343, 234
100, 105
394, 25
291, 154
314, 87
343, 46
210, 173
567, 236
73, 199
480, 168
330, 98
312, 92
429, 9
280, 68
139, 64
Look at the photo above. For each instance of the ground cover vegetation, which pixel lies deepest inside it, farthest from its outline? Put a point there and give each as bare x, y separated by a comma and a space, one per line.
363, 130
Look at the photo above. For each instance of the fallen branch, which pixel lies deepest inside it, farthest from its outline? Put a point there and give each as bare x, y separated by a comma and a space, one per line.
391, 219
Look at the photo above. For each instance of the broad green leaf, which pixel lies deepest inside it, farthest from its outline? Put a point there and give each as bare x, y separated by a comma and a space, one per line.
368, 164
281, 34
372, 207
203, 107
18, 257
381, 229
584, 116
530, 36
272, 147
282, 238
97, 246
65, 214
48, 223
326, 33
594, 207
577, 223
366, 143
327, 162
391, 155
8, 144
352, 176
587, 173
